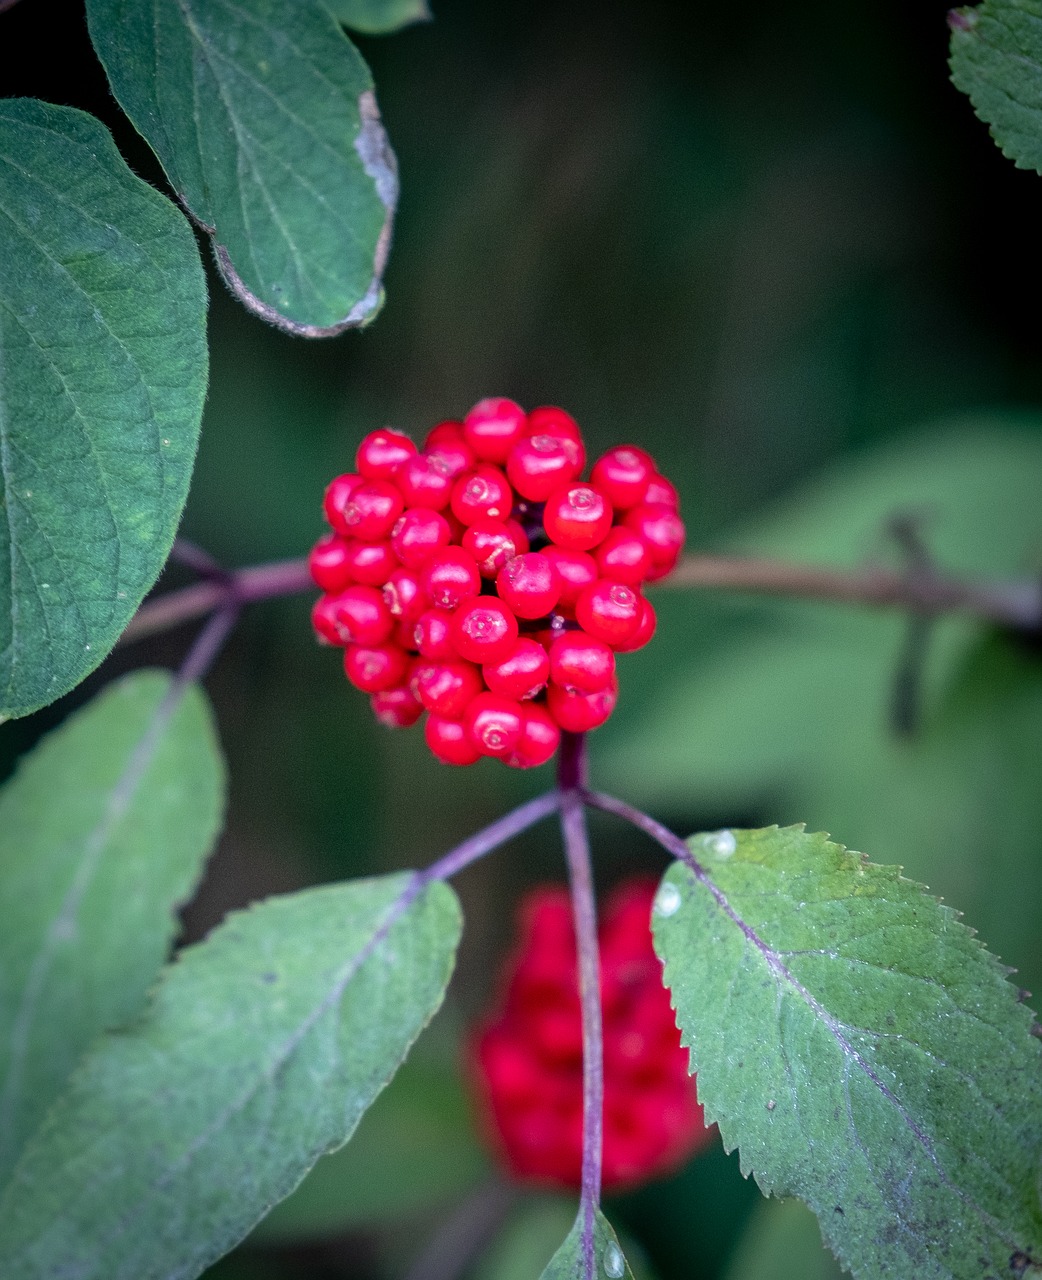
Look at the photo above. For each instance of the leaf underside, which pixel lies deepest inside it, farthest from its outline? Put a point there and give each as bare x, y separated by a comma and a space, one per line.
263, 1047
591, 1250
265, 122
102, 378
862, 1050
103, 833
996, 59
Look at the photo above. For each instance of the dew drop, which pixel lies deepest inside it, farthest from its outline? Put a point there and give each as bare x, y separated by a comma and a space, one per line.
667, 900
723, 843
613, 1262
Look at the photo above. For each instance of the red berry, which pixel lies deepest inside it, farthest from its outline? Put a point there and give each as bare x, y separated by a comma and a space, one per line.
450, 576
484, 630
579, 712
357, 615
449, 741
381, 453
540, 738
522, 674
432, 635
581, 664
493, 427
623, 556
662, 530
329, 563
577, 569
529, 584
493, 542
418, 532
482, 492
661, 492
644, 631
539, 464
372, 510
338, 495
494, 723
548, 420
446, 688
577, 516
622, 474
404, 595
396, 708
443, 432
372, 563
375, 667
609, 611
425, 480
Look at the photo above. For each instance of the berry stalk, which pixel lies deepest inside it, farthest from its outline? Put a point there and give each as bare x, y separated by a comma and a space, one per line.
571, 780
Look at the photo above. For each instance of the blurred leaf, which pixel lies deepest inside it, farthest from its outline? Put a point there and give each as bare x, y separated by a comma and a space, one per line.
783, 1242
379, 17
861, 1049
582, 1259
996, 58
415, 1149
102, 377
263, 1047
265, 122
531, 1237
103, 834
787, 716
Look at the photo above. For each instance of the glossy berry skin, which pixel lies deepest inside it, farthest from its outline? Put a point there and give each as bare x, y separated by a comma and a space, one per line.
529, 584
484, 630
525, 1059
581, 664
610, 611
483, 581
522, 674
381, 453
493, 427
449, 741
577, 516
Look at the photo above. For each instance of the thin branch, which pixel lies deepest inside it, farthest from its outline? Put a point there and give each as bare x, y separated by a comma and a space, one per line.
457, 1242
571, 771
492, 836
1012, 604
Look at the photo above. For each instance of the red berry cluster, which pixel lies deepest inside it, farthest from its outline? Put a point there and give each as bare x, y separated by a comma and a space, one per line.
481, 580
527, 1060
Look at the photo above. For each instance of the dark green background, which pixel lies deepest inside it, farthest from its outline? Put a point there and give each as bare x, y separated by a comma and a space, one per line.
755, 238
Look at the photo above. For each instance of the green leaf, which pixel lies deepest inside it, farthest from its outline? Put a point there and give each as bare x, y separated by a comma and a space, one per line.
102, 378
591, 1249
530, 1238
996, 58
861, 1049
379, 17
265, 122
262, 1049
782, 1242
103, 833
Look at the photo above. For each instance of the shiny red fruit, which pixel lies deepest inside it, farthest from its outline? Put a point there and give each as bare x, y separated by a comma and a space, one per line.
396, 708
580, 712
493, 427
484, 630
418, 532
494, 724
577, 516
337, 496
609, 611
329, 563
622, 474
381, 453
522, 674
449, 741
539, 464
482, 492
540, 738
373, 668
530, 585
581, 664
449, 576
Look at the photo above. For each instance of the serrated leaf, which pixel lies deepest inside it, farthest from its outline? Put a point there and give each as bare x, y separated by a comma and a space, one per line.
861, 1049
590, 1250
102, 378
996, 58
263, 1047
265, 122
103, 833
379, 17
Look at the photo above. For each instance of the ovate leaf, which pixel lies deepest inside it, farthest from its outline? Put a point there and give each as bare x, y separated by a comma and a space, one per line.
263, 1047
378, 17
861, 1049
103, 833
264, 118
102, 377
996, 58
590, 1252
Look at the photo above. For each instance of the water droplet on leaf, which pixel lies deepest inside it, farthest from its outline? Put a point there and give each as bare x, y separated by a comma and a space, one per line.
613, 1261
667, 901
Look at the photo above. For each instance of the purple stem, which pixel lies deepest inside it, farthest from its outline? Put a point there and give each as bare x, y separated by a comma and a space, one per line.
491, 837
198, 560
572, 777
645, 822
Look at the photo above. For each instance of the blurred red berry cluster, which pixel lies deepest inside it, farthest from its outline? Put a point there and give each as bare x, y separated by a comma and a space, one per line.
481, 580
526, 1060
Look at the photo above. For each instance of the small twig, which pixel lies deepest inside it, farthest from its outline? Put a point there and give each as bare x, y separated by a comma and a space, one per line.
200, 561
1013, 604
458, 1241
571, 781
492, 836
